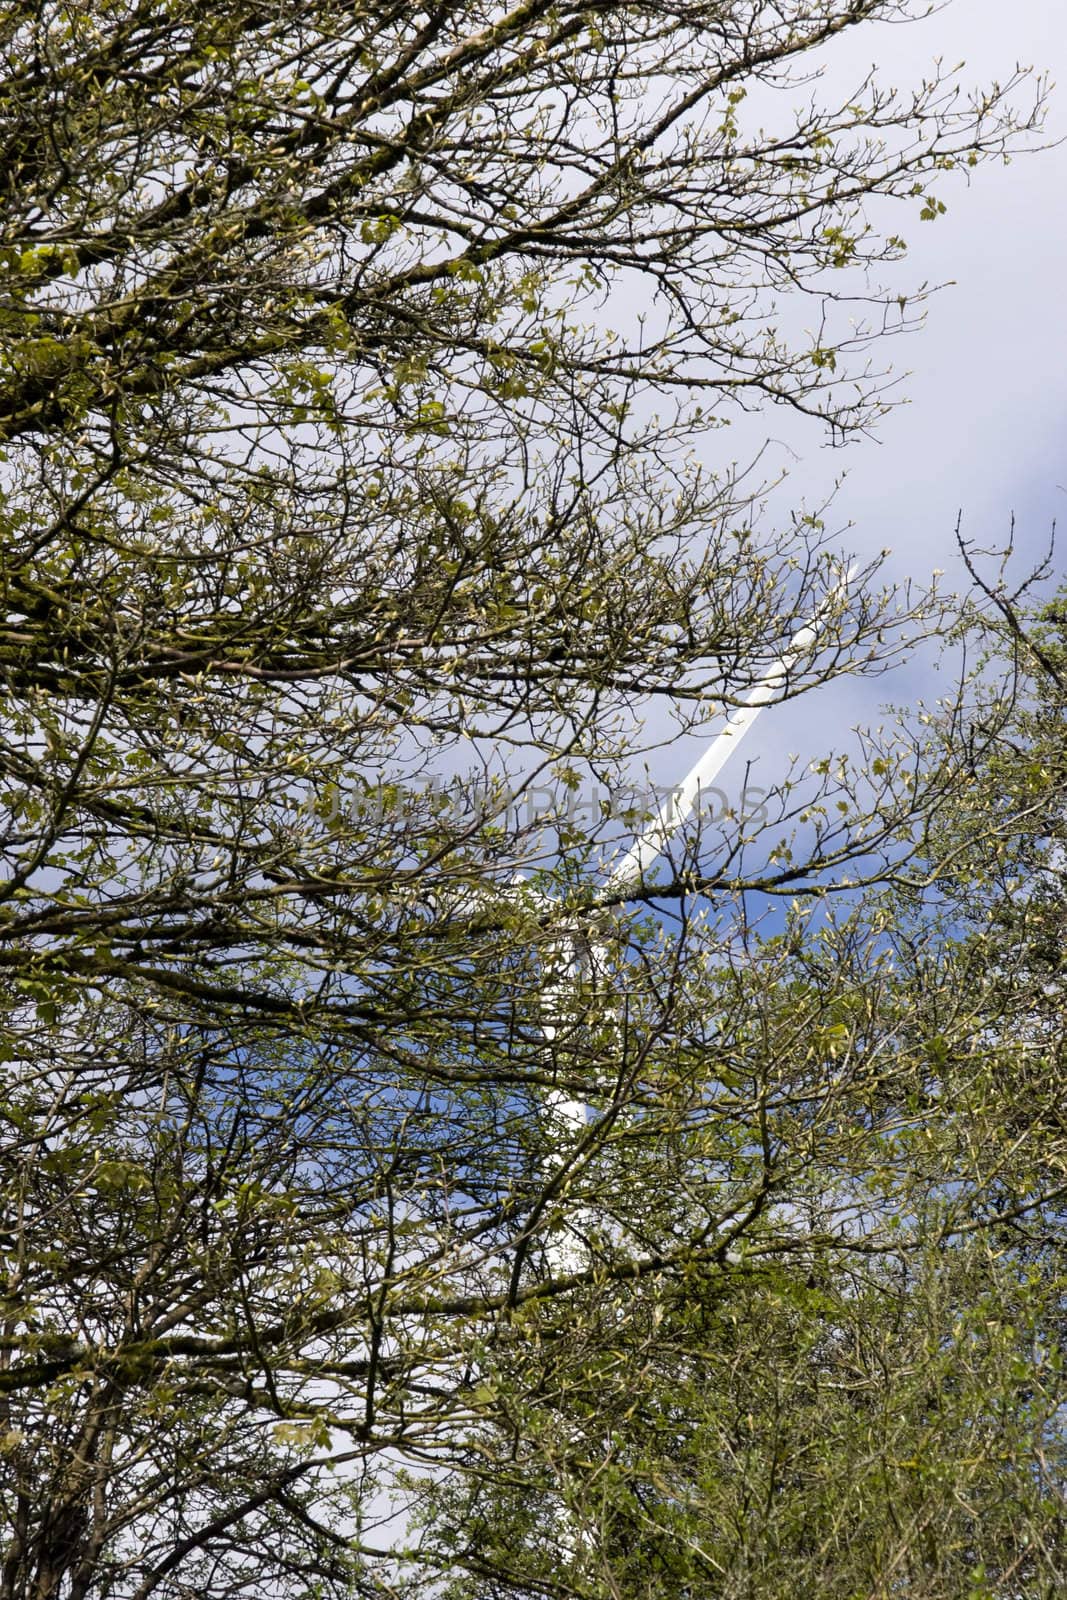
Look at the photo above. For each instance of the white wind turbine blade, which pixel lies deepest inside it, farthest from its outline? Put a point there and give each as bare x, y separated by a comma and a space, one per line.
685, 799
567, 1252
568, 1117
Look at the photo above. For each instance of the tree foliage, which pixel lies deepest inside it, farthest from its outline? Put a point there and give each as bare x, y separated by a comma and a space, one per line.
360, 365
864, 1392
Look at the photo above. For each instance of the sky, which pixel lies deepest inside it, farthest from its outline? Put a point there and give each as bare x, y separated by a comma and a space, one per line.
982, 433
980, 423
983, 430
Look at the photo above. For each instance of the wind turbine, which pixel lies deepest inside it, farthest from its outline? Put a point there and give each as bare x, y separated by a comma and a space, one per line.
567, 1115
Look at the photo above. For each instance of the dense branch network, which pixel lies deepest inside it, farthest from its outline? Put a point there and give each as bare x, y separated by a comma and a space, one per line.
363, 371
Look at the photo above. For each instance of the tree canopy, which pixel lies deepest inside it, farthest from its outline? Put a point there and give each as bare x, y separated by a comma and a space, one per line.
362, 384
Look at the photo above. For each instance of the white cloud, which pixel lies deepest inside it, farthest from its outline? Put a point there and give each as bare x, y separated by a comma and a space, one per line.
982, 433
